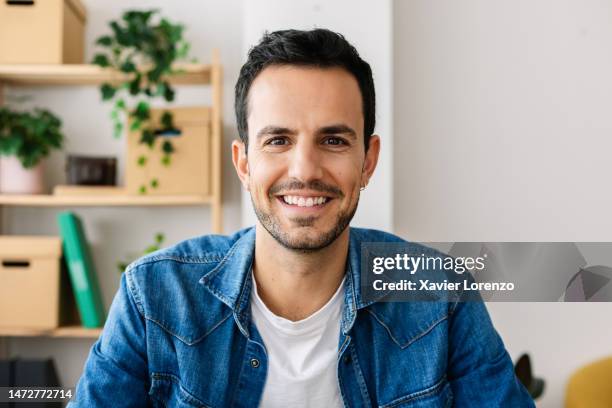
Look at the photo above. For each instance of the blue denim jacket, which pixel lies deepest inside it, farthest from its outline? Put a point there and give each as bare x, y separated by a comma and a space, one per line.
179, 334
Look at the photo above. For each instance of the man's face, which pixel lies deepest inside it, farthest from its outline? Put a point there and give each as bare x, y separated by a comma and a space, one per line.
306, 158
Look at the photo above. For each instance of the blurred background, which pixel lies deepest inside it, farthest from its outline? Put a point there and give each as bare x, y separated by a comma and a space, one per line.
495, 119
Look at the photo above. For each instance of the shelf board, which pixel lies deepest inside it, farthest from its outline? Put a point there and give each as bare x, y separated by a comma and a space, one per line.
50, 200
87, 74
67, 331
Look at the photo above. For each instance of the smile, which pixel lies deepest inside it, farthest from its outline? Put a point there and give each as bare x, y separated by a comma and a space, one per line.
305, 201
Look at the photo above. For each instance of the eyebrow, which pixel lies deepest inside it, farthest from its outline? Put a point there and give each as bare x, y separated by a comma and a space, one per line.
334, 129
274, 130
338, 129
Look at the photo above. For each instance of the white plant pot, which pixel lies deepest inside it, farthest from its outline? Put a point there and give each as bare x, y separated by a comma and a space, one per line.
14, 179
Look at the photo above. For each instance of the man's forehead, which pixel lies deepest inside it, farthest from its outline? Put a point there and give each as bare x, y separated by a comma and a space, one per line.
282, 95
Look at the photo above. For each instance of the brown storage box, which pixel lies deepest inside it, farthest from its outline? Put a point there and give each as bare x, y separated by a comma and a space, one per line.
32, 283
42, 31
190, 167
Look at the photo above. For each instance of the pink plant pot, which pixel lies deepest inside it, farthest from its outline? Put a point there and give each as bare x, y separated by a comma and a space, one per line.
14, 179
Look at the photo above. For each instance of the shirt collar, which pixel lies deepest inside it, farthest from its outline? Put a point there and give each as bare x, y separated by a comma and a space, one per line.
231, 283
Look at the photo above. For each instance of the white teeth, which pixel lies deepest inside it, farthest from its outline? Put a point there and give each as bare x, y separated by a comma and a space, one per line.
304, 202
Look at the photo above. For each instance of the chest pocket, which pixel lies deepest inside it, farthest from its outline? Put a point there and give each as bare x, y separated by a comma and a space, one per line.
166, 391
437, 396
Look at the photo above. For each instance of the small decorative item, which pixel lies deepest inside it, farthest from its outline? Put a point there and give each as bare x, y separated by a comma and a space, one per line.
26, 138
523, 371
159, 239
91, 171
144, 48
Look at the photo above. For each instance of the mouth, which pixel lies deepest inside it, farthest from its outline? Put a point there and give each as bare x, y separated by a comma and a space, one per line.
304, 203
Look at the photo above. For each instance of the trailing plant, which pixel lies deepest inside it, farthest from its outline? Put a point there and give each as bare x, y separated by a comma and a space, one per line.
159, 239
30, 136
144, 46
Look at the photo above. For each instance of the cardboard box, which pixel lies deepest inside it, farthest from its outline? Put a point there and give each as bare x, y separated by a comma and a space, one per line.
190, 168
34, 290
42, 31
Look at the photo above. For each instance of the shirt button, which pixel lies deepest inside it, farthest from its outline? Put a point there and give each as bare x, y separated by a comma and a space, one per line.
347, 359
254, 363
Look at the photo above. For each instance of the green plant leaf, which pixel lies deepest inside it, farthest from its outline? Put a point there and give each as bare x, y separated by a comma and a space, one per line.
117, 129
135, 125
147, 137
108, 91
183, 50
151, 248
29, 136
142, 111
142, 160
135, 85
169, 94
101, 60
156, 42
167, 120
105, 41
10, 145
128, 67
167, 147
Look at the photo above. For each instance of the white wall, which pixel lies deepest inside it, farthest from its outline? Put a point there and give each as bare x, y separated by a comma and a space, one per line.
117, 232
368, 27
502, 133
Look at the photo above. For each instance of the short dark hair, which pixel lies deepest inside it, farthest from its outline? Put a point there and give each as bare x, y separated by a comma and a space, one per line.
317, 48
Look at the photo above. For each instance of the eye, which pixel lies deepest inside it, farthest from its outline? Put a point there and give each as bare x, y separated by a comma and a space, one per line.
335, 141
276, 141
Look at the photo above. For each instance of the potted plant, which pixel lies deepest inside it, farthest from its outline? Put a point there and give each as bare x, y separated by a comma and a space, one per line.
144, 46
26, 138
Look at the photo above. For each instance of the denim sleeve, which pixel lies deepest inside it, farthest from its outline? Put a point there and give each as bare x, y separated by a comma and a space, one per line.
115, 373
480, 371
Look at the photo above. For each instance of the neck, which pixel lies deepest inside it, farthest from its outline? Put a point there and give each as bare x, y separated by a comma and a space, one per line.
296, 284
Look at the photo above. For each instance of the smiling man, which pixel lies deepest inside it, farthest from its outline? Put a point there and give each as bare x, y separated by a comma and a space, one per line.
273, 315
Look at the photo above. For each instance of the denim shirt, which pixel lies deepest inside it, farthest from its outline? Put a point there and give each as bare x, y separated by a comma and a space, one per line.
179, 334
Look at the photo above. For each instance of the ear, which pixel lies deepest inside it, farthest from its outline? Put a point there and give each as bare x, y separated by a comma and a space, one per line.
241, 163
371, 159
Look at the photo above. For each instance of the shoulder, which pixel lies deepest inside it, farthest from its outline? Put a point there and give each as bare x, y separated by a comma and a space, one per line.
365, 236
166, 281
204, 249
408, 320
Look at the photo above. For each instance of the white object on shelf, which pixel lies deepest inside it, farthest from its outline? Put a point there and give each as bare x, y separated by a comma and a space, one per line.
15, 179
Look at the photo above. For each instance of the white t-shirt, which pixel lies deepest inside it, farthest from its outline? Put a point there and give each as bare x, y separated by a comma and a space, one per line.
302, 355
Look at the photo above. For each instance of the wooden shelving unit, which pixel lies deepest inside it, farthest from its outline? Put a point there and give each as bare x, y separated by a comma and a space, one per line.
50, 200
84, 74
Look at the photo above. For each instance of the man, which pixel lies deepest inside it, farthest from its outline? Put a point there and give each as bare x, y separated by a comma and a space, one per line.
273, 315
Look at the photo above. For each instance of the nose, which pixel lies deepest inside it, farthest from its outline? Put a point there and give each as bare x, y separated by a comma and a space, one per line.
306, 162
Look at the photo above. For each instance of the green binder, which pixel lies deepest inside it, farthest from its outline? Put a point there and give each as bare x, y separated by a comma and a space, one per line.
81, 270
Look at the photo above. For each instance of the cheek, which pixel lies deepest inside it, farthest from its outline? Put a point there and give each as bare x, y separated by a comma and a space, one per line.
347, 173
264, 173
